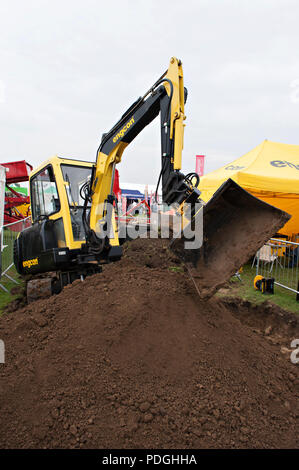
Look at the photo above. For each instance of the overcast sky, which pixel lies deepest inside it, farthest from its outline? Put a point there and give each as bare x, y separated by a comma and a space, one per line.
69, 69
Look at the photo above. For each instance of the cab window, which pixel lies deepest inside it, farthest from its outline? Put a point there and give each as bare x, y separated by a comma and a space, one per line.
44, 194
75, 177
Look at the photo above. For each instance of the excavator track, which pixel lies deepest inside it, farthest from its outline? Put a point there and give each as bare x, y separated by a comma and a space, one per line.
39, 289
44, 285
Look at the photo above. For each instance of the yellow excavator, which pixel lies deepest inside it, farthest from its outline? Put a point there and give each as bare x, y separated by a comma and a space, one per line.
74, 229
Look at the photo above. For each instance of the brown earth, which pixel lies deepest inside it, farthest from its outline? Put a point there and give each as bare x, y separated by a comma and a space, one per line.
132, 358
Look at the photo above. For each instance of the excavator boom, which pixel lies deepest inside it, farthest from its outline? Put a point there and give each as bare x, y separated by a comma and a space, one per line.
166, 97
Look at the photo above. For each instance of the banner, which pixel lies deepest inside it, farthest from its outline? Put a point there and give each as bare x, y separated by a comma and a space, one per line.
199, 167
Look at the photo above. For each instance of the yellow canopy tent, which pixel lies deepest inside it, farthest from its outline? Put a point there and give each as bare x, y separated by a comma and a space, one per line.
270, 172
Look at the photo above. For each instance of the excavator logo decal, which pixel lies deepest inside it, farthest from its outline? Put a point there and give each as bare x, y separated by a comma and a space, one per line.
30, 262
123, 130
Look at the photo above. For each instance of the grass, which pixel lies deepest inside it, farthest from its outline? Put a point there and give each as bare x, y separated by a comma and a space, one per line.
6, 297
7, 256
176, 269
246, 291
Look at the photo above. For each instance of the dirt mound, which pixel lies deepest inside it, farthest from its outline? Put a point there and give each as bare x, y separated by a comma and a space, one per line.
132, 358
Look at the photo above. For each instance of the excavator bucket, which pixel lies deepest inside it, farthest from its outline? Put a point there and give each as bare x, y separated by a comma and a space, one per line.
235, 225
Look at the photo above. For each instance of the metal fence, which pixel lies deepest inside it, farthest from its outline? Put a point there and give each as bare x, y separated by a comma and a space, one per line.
279, 259
9, 233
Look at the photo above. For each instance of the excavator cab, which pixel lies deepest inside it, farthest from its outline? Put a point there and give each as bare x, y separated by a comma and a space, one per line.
57, 233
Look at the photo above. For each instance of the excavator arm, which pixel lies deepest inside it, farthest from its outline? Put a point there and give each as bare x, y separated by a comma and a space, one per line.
166, 97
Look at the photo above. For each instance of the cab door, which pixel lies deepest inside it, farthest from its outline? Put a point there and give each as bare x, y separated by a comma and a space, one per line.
38, 248
46, 203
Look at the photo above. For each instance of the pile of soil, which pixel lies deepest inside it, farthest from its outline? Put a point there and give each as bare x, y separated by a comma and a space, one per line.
132, 358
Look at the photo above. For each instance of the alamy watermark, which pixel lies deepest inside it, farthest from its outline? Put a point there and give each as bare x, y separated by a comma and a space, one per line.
295, 354
2, 352
164, 222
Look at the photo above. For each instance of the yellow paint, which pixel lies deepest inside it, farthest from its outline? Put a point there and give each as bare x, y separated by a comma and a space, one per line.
177, 116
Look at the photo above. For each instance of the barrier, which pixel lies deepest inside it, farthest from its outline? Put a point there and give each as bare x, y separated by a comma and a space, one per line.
279, 259
9, 233
2, 198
